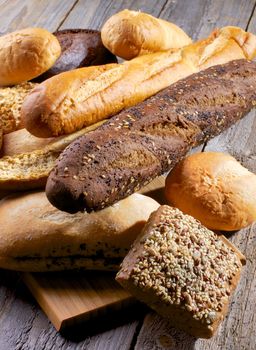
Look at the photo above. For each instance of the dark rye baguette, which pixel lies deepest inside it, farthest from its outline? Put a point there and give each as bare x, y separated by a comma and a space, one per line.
146, 140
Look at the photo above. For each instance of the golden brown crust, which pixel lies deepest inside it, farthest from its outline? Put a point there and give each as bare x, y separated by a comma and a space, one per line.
38, 234
129, 34
214, 188
11, 99
71, 100
26, 53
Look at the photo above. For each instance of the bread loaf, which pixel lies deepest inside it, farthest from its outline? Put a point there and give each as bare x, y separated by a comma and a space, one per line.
37, 237
214, 188
183, 271
30, 167
25, 54
72, 100
129, 34
11, 99
21, 141
79, 48
147, 140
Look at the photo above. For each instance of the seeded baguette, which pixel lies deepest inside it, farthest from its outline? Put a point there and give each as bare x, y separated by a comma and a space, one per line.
183, 271
30, 170
147, 140
72, 100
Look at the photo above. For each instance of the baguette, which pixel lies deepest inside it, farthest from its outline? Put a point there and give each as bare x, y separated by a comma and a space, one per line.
37, 237
147, 140
30, 170
25, 54
183, 271
129, 34
72, 100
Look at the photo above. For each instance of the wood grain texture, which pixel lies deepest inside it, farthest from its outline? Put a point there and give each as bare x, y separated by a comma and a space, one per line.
17, 14
92, 14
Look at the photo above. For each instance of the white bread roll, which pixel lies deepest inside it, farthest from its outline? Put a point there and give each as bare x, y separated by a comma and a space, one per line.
214, 188
26, 54
129, 34
35, 236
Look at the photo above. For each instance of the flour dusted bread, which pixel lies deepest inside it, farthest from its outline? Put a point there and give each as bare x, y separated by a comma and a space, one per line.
183, 271
25, 54
37, 237
72, 100
129, 34
214, 188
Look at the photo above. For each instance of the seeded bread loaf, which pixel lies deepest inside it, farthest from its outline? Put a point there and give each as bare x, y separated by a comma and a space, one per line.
129, 34
37, 237
25, 54
147, 140
183, 271
79, 48
11, 99
29, 168
72, 100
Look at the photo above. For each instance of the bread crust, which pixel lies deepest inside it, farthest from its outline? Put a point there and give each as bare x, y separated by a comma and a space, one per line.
169, 296
72, 100
35, 236
214, 188
129, 34
26, 53
147, 140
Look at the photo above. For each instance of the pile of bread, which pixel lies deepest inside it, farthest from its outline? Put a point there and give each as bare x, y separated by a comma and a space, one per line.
67, 89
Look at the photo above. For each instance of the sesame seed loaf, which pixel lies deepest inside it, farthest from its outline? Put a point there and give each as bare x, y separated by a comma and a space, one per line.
183, 271
147, 140
30, 169
35, 236
11, 99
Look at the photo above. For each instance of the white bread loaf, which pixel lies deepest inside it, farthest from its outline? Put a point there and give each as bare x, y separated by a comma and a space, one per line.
35, 236
129, 34
215, 189
25, 54
72, 100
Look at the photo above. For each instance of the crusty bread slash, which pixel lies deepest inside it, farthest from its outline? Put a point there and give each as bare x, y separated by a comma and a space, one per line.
147, 140
30, 170
72, 100
11, 99
183, 271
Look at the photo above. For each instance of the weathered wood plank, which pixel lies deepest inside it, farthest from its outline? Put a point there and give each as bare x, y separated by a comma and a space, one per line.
238, 331
200, 17
93, 14
17, 14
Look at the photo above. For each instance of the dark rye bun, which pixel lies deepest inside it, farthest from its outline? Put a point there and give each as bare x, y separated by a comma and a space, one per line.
145, 141
79, 48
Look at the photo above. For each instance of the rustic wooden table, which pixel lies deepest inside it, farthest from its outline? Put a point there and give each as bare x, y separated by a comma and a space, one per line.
22, 324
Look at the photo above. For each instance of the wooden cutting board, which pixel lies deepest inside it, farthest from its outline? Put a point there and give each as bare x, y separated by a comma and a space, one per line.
69, 298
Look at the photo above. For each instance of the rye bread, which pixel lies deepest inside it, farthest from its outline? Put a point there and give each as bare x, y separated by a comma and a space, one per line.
79, 48
147, 140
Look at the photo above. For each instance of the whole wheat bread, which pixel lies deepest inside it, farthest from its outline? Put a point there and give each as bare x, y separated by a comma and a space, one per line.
144, 141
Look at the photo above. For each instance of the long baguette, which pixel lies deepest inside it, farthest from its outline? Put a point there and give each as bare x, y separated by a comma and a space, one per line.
147, 140
72, 100
30, 170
